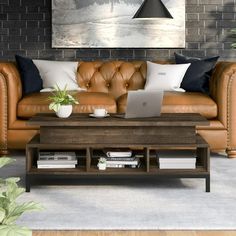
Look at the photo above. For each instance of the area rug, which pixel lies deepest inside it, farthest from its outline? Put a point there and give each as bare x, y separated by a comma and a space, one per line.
134, 204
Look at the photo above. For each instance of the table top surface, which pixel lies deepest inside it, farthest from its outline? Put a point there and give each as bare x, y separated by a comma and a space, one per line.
76, 119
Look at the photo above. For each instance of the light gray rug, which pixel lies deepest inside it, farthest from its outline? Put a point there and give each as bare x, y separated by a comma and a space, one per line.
128, 204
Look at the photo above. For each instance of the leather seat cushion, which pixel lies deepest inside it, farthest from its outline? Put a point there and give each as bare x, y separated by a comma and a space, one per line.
178, 102
38, 102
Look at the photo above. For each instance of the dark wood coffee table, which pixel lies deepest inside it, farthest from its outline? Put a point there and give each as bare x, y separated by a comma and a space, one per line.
83, 133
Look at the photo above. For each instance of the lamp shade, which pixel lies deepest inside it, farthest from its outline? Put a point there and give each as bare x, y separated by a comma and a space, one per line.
152, 9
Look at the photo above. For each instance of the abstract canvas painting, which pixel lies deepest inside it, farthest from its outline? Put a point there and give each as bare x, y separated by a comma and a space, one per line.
110, 24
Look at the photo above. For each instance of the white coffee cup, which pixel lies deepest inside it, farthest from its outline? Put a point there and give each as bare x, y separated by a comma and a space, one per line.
100, 112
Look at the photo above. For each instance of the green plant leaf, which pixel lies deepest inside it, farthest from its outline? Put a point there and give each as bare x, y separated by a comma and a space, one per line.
2, 214
5, 161
13, 191
233, 45
233, 31
15, 211
12, 180
14, 230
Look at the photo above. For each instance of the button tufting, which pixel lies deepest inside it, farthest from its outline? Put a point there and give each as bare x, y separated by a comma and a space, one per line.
108, 85
126, 85
87, 85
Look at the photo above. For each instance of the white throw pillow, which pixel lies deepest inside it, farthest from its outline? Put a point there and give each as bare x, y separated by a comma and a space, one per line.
61, 73
165, 77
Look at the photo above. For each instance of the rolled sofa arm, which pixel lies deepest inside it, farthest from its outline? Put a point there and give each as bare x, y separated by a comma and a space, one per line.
10, 94
223, 91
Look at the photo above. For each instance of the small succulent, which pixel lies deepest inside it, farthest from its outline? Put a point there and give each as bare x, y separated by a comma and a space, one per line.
233, 33
61, 97
102, 160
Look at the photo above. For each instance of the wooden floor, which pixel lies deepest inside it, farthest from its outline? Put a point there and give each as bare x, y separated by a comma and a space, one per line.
134, 233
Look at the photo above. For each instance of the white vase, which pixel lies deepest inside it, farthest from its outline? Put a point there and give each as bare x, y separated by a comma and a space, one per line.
102, 166
64, 111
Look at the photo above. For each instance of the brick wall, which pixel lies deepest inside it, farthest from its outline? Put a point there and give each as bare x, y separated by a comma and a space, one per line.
25, 29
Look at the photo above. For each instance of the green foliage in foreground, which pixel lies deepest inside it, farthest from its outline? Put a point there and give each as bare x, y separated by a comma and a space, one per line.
10, 210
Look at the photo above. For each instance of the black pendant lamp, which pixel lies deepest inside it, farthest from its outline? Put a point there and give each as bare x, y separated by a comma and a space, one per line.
152, 9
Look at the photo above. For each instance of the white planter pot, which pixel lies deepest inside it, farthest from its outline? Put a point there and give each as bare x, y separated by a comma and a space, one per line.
64, 111
102, 166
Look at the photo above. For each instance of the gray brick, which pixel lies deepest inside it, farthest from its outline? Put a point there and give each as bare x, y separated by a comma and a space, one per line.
227, 8
194, 53
4, 2
122, 53
194, 9
87, 53
192, 31
210, 16
194, 24
192, 16
195, 38
231, 53
32, 24
34, 54
228, 2
211, 38
30, 45
211, 45
139, 53
212, 52
3, 16
4, 31
227, 24
211, 8
190, 2
14, 46
13, 16
69, 54
157, 53
32, 16
14, 31
25, 28
51, 54
193, 45
228, 16
105, 53
210, 2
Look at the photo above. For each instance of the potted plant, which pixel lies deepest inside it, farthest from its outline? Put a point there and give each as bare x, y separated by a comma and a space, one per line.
62, 102
10, 210
102, 163
233, 33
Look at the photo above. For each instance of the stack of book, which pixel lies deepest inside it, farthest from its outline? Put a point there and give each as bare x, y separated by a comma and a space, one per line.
48, 160
177, 160
121, 159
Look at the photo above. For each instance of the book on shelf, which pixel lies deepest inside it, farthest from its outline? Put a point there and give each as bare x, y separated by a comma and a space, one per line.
120, 158
49, 155
123, 162
121, 166
57, 162
64, 166
179, 159
183, 154
177, 166
118, 152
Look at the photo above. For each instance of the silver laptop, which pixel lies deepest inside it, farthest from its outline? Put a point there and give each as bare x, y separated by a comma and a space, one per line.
143, 103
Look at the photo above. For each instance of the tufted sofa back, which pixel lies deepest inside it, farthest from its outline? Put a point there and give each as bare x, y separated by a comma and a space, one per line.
113, 77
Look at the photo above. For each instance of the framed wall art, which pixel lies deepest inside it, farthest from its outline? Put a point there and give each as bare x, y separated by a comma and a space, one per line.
110, 24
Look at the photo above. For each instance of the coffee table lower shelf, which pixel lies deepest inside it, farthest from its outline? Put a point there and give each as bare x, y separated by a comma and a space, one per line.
87, 169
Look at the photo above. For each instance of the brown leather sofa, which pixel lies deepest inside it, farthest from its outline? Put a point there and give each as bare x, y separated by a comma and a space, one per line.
107, 84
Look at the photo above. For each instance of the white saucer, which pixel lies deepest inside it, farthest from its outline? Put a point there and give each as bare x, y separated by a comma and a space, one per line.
95, 116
